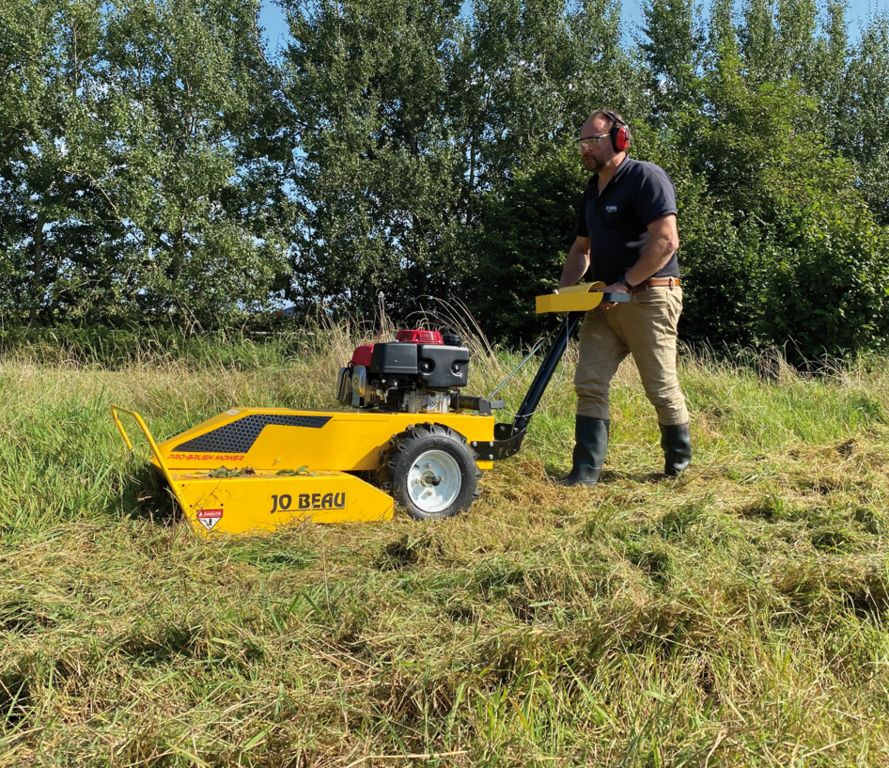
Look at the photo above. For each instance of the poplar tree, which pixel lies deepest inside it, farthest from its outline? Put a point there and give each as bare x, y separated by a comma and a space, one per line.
863, 128
132, 158
377, 177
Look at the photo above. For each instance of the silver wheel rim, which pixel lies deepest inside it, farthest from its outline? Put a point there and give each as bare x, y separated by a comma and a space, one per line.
434, 481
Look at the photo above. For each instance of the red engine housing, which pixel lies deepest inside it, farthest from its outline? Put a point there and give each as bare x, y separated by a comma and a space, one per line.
420, 336
363, 355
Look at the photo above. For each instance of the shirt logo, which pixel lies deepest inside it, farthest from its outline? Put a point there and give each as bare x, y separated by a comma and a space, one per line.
610, 209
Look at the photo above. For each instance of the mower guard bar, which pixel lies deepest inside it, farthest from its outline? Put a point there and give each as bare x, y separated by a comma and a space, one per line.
116, 410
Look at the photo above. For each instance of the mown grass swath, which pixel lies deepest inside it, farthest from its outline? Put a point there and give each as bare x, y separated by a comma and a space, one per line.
736, 616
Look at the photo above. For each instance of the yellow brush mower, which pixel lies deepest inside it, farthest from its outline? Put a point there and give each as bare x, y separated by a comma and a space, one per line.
409, 437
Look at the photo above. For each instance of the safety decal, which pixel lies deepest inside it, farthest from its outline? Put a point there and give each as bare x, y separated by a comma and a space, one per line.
209, 517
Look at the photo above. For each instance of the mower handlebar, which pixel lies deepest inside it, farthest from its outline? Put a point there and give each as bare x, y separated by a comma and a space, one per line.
508, 437
616, 298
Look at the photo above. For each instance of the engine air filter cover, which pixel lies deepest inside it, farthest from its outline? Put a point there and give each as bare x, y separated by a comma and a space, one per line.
394, 358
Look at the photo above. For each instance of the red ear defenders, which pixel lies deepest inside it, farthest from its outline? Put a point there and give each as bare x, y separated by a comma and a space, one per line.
620, 132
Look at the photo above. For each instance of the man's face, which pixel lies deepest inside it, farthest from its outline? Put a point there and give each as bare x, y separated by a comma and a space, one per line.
595, 144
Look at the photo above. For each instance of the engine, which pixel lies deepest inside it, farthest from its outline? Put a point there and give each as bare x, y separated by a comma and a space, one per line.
421, 371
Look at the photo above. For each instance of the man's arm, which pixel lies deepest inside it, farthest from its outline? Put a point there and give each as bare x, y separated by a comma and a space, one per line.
577, 263
662, 242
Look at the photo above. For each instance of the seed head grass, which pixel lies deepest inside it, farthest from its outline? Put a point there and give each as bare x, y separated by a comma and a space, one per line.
735, 616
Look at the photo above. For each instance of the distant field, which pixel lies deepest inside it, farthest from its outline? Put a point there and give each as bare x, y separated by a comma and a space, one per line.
738, 616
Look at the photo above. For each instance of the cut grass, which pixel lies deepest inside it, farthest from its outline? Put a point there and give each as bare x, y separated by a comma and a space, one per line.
735, 616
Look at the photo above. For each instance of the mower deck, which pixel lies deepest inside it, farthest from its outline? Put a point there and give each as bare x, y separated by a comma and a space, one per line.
232, 501
256, 469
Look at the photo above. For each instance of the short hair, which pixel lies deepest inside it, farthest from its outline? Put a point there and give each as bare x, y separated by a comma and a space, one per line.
611, 115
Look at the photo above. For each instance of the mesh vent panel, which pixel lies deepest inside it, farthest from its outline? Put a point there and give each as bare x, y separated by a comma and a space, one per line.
239, 436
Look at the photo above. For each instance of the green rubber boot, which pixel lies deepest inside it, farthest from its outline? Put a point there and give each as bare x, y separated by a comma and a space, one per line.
676, 442
590, 444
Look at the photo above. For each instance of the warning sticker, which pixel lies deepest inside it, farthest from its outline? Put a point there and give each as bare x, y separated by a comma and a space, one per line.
209, 517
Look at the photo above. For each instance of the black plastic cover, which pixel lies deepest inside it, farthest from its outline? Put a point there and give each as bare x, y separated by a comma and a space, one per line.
394, 358
442, 367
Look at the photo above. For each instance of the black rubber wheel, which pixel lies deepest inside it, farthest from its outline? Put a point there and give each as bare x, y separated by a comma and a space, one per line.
431, 472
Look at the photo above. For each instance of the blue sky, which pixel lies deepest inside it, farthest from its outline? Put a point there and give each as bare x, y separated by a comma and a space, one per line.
857, 14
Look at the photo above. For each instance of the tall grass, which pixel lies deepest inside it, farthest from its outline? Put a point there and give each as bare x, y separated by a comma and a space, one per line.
735, 616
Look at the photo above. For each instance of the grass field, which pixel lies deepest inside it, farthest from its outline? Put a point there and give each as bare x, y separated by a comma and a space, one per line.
735, 616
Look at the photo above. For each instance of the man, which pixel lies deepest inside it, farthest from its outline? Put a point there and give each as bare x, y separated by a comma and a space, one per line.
627, 238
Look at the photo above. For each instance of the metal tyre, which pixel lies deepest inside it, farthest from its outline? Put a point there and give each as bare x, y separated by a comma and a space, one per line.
431, 472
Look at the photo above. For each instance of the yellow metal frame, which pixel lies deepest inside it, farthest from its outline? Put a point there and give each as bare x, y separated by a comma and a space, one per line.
348, 441
116, 410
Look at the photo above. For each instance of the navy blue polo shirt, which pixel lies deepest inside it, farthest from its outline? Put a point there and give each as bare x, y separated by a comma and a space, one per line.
616, 221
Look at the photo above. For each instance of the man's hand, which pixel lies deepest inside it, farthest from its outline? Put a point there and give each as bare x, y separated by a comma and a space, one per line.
613, 288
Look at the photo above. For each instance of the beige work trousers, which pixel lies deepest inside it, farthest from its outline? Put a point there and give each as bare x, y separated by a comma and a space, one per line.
645, 327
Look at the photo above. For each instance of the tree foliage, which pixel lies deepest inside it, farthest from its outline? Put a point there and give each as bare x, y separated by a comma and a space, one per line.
135, 185
377, 174
157, 167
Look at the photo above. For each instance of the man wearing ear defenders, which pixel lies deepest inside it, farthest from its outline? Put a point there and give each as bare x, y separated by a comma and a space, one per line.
627, 238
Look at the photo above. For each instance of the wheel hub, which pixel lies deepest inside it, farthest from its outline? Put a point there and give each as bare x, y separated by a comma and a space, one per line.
429, 478
434, 481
